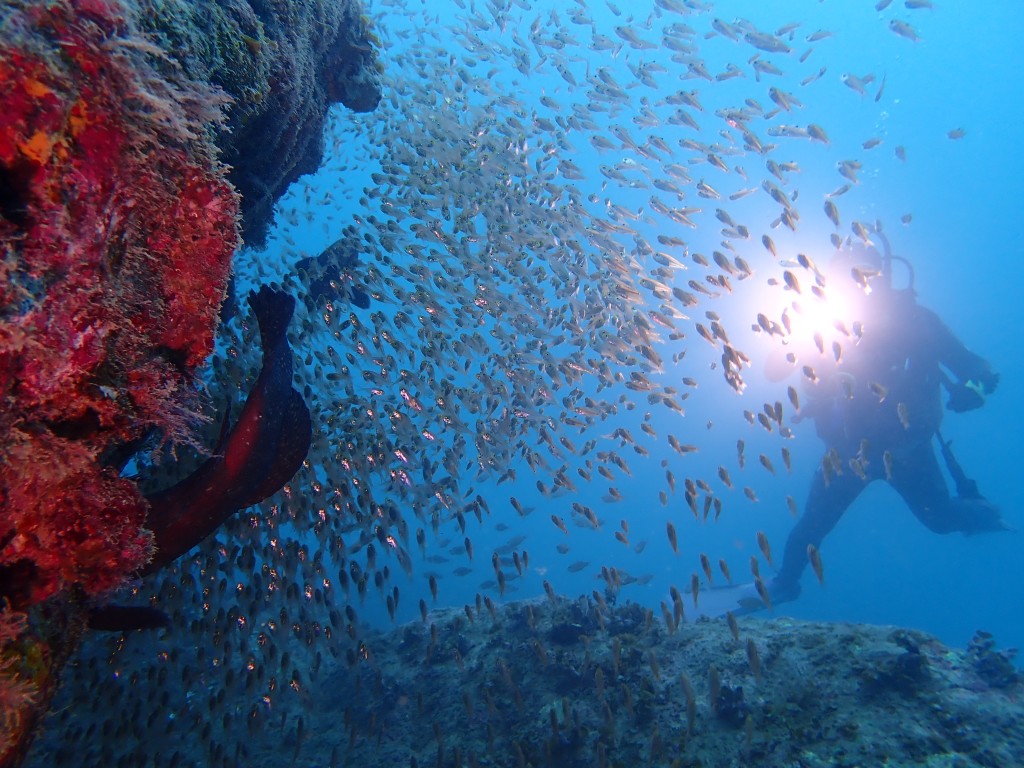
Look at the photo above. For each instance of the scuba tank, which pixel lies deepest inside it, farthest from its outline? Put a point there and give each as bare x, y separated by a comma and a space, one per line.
888, 257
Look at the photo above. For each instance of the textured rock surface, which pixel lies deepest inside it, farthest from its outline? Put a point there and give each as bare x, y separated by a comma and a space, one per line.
117, 229
571, 684
555, 684
283, 63
118, 223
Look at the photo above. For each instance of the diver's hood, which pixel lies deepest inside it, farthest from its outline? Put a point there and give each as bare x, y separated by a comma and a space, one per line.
856, 263
861, 260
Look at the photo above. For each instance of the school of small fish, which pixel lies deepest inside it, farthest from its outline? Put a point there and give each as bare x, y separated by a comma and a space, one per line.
540, 334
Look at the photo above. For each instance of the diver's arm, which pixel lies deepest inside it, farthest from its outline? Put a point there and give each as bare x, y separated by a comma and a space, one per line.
954, 355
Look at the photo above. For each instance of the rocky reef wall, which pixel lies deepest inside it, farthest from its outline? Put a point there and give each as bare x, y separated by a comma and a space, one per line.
282, 64
578, 684
119, 217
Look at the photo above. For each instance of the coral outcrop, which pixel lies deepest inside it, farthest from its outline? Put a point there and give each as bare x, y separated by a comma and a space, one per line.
572, 683
117, 228
283, 63
118, 222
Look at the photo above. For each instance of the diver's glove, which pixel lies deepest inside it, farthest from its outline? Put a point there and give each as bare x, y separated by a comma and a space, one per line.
988, 379
970, 394
966, 396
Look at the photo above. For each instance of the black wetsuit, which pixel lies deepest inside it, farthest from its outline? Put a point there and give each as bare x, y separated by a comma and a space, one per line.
881, 405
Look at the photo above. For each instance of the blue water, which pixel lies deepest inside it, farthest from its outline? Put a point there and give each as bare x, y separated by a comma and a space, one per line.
949, 205
881, 565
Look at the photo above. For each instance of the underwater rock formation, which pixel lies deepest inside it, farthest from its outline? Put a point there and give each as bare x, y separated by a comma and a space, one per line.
118, 227
575, 683
283, 63
118, 223
511, 686
271, 146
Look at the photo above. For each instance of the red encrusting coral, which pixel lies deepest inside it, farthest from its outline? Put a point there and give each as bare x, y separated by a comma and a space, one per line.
117, 229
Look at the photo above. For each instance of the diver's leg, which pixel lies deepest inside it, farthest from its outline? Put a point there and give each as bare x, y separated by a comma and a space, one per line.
825, 505
919, 480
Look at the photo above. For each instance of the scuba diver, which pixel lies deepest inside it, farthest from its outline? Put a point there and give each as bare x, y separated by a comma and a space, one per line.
875, 397
876, 402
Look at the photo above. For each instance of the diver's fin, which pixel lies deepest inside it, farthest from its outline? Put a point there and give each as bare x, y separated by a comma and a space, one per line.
739, 599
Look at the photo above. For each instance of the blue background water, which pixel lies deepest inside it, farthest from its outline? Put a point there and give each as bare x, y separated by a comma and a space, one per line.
881, 565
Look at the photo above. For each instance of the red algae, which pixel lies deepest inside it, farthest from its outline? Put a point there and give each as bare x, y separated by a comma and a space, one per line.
117, 227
